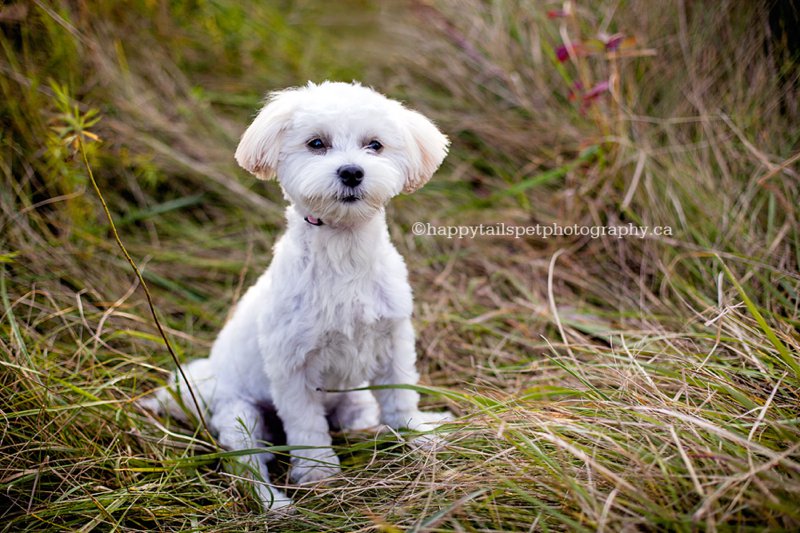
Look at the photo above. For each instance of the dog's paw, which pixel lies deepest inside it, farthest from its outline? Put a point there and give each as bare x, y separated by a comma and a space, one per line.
311, 466
436, 419
430, 442
359, 420
273, 500
426, 420
417, 420
357, 416
151, 404
307, 473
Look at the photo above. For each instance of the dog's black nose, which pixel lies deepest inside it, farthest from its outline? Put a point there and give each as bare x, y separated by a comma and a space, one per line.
351, 175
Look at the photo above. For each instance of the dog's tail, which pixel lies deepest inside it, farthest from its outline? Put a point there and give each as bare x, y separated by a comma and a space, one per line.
175, 398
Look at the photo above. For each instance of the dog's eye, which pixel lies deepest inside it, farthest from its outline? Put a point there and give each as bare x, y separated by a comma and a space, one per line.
316, 144
375, 146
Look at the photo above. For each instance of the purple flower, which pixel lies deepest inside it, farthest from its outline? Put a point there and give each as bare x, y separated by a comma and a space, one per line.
595, 91
613, 42
563, 51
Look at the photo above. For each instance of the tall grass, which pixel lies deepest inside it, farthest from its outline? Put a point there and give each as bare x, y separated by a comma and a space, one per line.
604, 384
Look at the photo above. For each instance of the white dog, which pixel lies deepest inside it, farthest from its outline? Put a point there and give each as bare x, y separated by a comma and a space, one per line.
332, 312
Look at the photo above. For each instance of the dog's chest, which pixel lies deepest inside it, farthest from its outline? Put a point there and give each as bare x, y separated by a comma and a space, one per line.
334, 305
354, 314
350, 291
350, 306
348, 361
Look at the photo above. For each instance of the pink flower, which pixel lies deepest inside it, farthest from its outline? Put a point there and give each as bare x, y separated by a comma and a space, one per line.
612, 42
593, 93
563, 52
587, 98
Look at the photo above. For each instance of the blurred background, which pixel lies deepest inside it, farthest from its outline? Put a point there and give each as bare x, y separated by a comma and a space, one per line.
604, 383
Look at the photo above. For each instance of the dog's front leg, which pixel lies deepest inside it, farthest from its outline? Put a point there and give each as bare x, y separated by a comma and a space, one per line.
399, 407
300, 406
240, 427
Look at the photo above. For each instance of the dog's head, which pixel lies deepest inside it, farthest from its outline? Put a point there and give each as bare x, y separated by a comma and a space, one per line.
341, 150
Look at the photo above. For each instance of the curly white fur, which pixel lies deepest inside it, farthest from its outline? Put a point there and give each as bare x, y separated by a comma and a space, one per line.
332, 312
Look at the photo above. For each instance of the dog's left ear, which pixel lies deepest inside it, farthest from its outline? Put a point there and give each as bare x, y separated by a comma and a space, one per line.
432, 145
260, 146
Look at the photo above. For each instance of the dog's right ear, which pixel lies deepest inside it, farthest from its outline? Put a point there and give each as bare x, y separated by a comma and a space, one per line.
260, 146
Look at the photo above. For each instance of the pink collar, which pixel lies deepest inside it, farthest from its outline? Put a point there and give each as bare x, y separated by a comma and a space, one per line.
313, 220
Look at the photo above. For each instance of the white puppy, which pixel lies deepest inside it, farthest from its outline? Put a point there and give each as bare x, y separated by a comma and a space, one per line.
333, 311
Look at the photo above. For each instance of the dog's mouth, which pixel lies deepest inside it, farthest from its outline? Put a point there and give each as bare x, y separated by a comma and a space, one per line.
349, 199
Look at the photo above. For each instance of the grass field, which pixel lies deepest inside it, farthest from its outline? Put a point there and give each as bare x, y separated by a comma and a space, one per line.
602, 384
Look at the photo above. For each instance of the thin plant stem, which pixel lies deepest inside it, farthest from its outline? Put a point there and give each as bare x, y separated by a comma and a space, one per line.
144, 286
